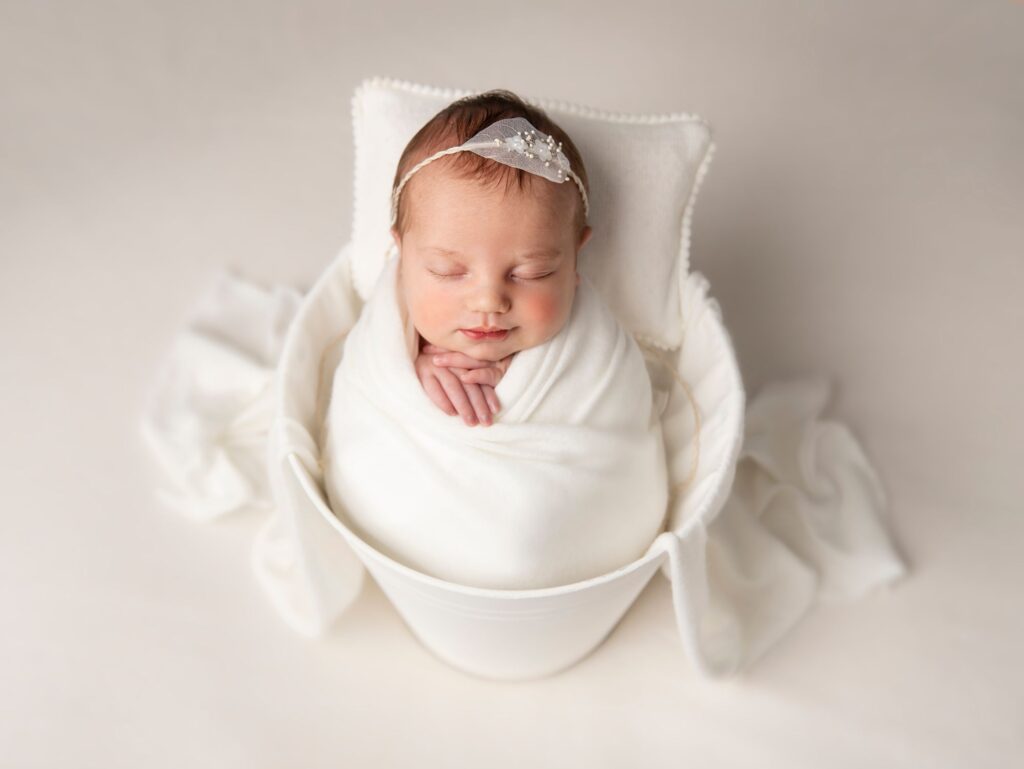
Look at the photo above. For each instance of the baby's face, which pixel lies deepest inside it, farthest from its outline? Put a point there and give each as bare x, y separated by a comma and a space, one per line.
476, 257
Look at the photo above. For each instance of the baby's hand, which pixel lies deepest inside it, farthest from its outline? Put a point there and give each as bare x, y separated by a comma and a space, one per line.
460, 384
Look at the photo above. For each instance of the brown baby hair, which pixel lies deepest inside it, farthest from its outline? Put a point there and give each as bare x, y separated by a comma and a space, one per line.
464, 118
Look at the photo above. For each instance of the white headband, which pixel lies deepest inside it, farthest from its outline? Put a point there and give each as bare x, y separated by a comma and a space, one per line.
514, 142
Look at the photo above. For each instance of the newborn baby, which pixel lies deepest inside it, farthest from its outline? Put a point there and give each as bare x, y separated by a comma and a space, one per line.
484, 273
482, 318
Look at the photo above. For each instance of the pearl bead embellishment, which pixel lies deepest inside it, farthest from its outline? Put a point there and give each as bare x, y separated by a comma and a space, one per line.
527, 143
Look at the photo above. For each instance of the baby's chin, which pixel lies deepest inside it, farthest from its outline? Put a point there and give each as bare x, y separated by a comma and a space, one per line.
490, 351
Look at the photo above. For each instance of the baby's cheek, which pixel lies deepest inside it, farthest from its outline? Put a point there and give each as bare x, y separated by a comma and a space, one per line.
545, 310
430, 311
429, 314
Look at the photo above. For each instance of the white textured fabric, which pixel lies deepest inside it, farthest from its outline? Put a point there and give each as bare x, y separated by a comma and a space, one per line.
208, 413
644, 173
568, 483
803, 522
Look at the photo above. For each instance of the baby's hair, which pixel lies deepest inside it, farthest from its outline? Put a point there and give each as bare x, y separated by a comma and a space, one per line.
461, 120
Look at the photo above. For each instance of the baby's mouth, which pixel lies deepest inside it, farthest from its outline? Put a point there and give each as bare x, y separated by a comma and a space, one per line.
486, 335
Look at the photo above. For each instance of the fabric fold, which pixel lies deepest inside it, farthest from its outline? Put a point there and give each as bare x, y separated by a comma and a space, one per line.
803, 523
210, 408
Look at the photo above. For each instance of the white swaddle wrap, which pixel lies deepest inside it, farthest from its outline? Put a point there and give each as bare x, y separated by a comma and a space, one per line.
568, 483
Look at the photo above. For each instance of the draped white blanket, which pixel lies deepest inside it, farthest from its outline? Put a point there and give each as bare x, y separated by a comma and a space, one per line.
568, 483
803, 523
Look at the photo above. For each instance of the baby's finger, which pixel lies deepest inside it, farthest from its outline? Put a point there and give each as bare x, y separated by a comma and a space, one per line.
491, 398
460, 360
482, 376
476, 397
436, 392
457, 395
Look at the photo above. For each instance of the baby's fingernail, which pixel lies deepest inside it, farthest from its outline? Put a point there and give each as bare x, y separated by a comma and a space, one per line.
437, 359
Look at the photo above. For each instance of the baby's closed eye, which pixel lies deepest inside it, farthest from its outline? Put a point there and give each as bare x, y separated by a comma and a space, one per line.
529, 275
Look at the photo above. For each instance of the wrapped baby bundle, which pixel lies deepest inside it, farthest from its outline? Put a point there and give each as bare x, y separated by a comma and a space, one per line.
568, 483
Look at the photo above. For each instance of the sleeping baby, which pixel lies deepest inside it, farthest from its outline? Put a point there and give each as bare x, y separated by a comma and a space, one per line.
491, 423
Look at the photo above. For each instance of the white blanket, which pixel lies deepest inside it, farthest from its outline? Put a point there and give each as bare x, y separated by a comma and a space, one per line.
568, 483
803, 523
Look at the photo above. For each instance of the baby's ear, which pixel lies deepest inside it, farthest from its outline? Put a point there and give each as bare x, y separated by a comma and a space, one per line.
585, 236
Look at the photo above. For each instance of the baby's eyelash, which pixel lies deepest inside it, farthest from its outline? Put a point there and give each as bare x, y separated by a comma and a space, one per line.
448, 276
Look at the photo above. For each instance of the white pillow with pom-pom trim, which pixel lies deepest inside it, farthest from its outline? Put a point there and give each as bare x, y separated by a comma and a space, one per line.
644, 173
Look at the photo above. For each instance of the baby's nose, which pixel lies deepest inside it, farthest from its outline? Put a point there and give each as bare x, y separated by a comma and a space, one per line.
489, 299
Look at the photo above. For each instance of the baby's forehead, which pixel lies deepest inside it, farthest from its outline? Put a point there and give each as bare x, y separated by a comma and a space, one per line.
441, 186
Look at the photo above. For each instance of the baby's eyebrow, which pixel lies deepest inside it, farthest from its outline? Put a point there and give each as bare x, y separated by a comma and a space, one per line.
545, 253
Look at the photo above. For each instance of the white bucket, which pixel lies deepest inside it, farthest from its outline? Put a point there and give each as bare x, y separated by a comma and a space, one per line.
507, 634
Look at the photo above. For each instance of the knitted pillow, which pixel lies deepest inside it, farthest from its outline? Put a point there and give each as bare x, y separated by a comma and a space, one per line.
644, 172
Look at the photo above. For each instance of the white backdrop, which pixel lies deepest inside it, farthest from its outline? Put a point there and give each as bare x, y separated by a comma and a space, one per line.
860, 220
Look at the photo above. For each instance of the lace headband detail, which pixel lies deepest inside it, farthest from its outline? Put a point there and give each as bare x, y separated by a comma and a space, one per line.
515, 142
